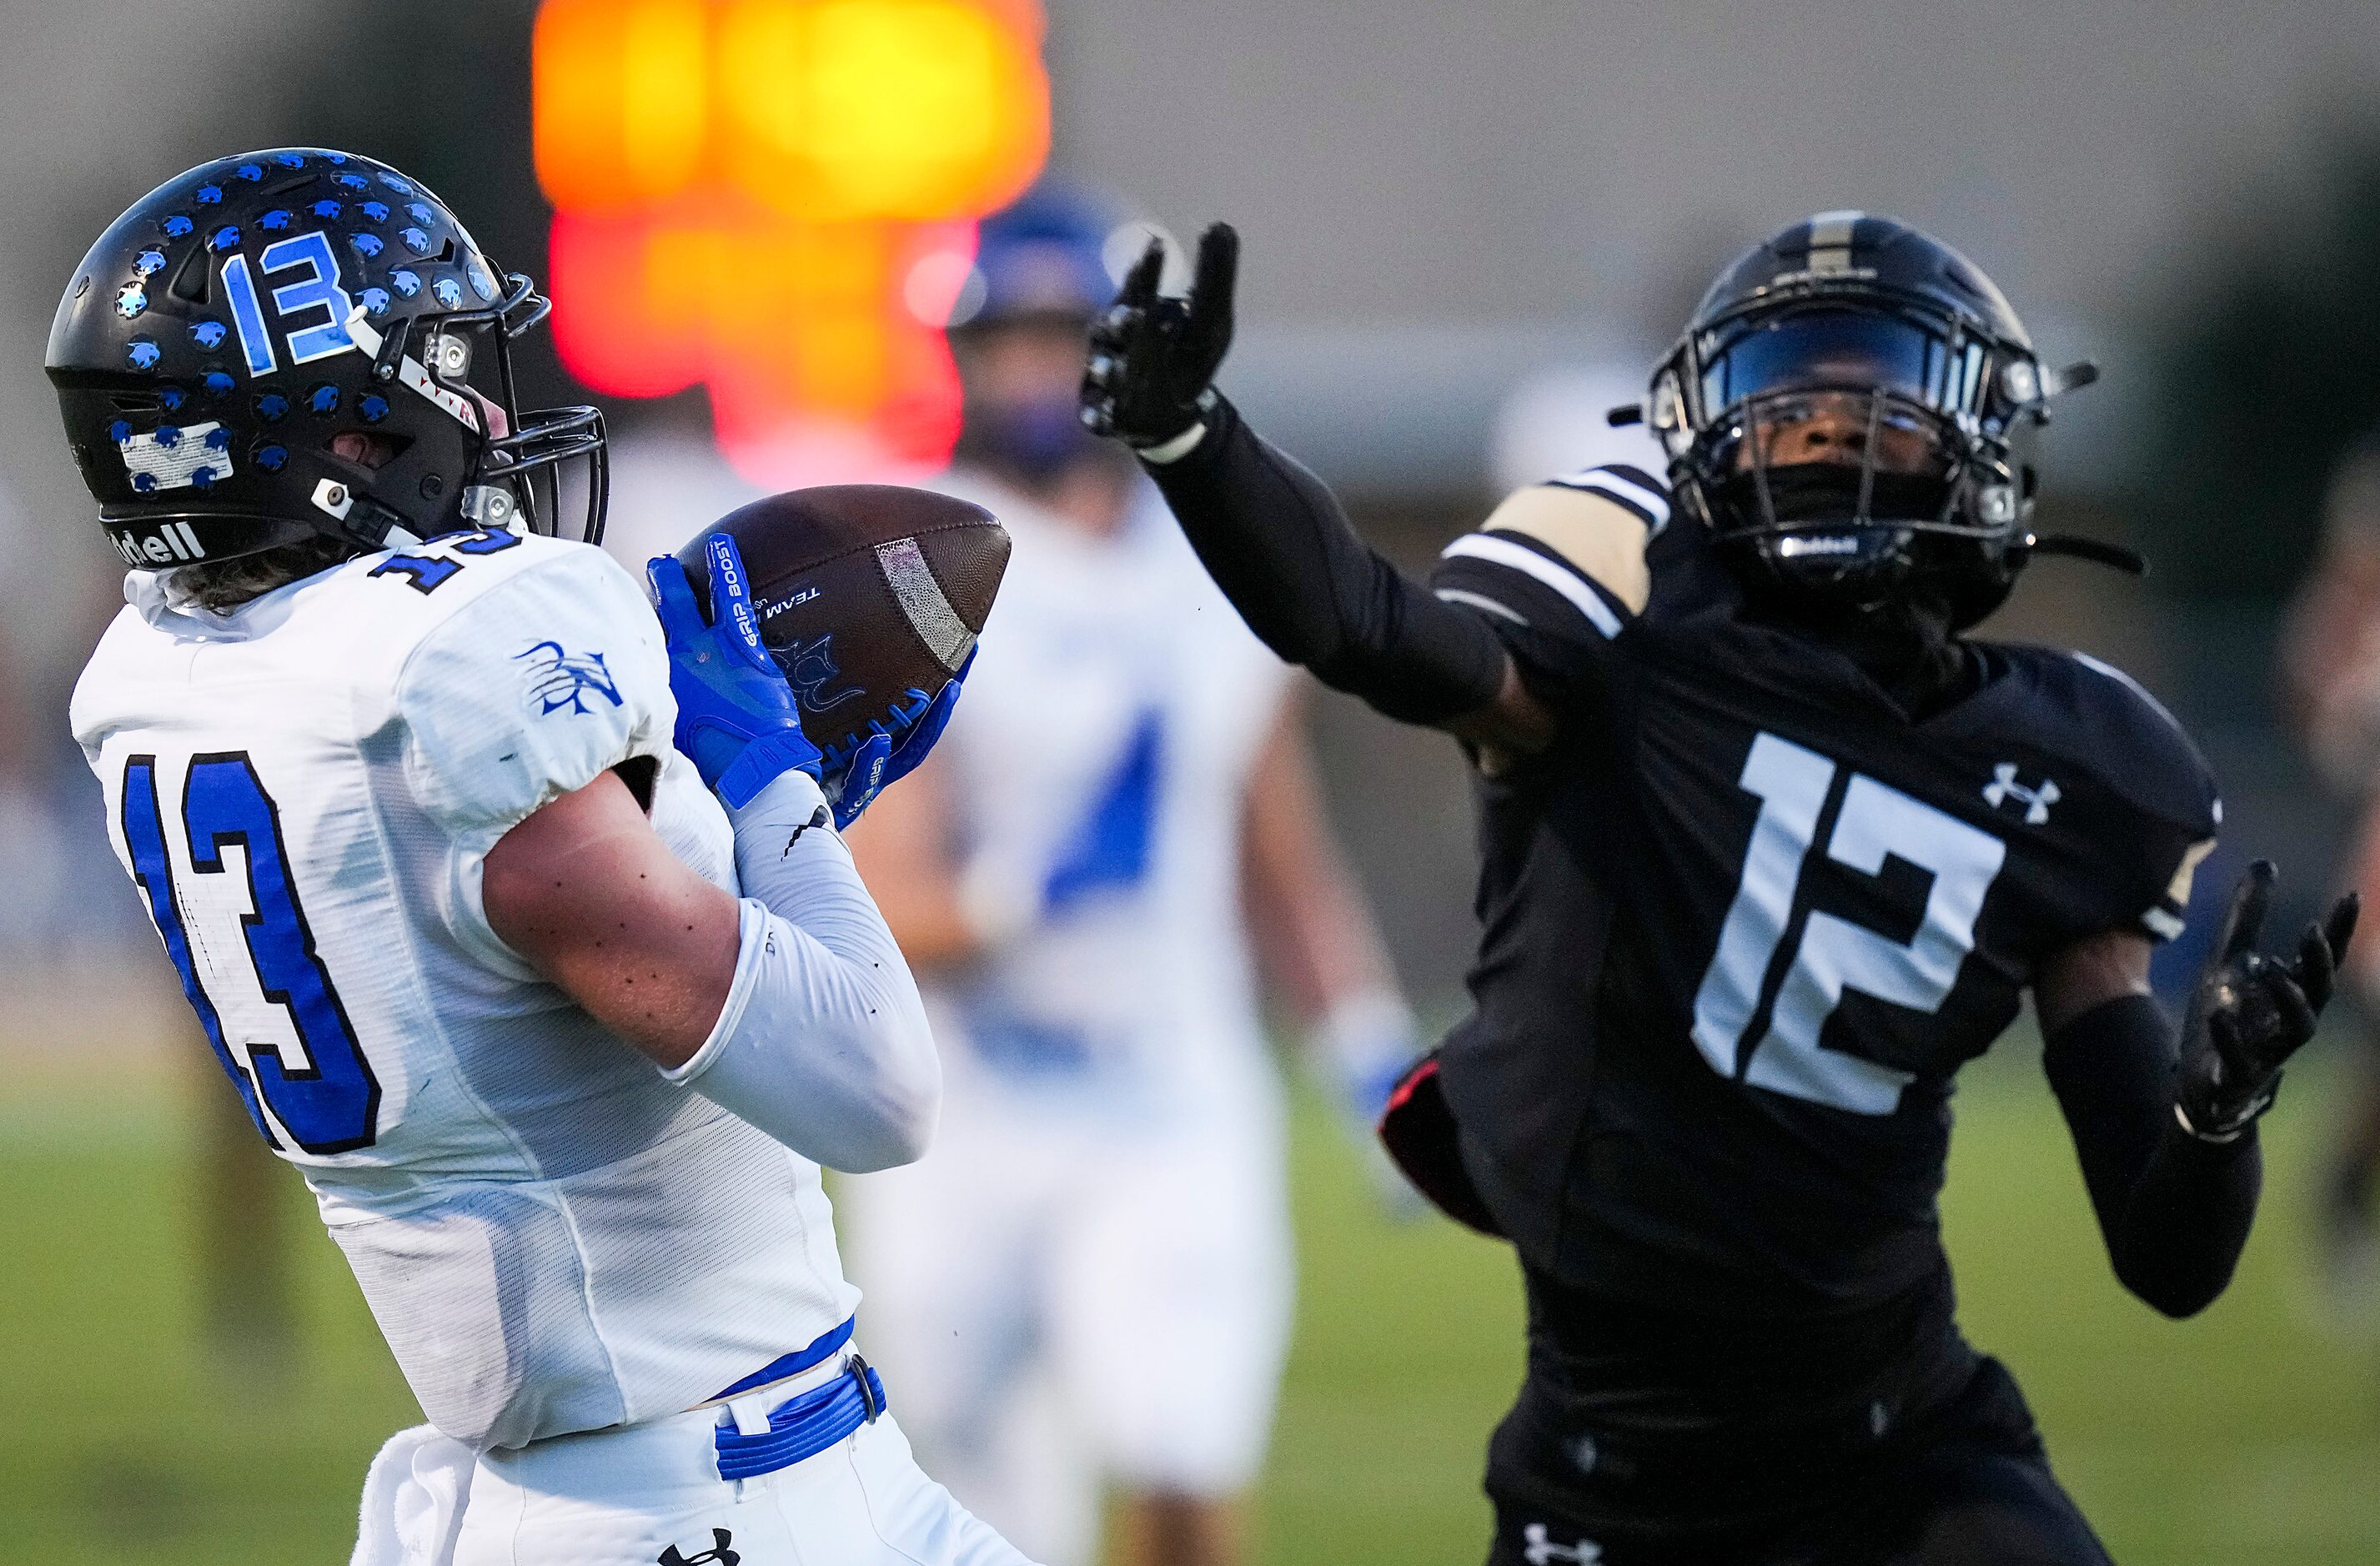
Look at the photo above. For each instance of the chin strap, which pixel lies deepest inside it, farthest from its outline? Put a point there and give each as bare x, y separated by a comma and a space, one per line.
2115, 556
362, 520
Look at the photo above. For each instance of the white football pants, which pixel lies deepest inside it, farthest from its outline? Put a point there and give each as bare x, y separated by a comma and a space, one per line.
651, 1494
1076, 1301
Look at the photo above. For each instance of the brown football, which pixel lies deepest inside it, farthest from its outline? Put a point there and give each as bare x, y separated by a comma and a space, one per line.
870, 595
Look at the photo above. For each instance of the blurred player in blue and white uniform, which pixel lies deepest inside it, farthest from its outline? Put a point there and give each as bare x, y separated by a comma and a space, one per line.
559, 1018
1093, 1267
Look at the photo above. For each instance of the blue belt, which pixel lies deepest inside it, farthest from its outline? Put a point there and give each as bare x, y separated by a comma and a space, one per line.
818, 1350
804, 1425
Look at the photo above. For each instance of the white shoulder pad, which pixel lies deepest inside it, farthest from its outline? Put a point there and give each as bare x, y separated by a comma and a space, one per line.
1590, 530
1580, 539
532, 690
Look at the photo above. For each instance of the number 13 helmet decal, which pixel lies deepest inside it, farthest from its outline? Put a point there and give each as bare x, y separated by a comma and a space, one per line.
224, 330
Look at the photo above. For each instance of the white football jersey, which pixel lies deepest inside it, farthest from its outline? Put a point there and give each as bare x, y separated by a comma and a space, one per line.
1100, 759
552, 1237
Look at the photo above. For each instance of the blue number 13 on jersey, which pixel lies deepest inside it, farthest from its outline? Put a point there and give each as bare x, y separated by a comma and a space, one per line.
326, 1100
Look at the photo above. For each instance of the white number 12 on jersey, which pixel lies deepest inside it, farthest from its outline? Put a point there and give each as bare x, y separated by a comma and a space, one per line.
1791, 784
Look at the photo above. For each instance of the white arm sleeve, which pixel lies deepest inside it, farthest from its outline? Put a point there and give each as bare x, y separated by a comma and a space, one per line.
823, 1042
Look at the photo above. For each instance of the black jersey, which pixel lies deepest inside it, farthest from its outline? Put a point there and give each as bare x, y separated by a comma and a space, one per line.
1746, 919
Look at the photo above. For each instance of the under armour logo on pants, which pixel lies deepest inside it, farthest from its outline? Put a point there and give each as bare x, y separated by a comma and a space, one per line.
717, 1555
1538, 1549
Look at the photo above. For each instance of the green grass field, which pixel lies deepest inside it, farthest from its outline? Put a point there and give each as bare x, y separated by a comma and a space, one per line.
2245, 1437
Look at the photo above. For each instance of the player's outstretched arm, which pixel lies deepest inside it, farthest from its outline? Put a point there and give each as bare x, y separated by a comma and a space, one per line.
1273, 535
2164, 1129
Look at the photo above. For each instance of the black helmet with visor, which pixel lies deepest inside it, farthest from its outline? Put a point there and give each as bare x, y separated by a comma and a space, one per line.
1843, 412
225, 334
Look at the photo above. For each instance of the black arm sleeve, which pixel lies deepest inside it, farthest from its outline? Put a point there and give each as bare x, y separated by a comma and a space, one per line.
2174, 1210
1274, 538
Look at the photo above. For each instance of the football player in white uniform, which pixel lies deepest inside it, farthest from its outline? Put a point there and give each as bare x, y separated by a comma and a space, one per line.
559, 1042
1095, 1261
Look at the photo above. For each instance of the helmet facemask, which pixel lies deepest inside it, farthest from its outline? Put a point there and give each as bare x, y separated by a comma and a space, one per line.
516, 478
1826, 438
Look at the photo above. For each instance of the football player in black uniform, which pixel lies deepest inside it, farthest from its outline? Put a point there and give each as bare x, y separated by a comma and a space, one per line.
1771, 847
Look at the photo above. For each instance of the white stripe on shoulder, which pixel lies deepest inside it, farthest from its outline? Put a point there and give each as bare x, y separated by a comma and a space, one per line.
1529, 563
1482, 601
1613, 484
2126, 680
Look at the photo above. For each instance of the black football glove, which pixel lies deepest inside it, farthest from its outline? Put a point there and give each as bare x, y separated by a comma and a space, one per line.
1154, 357
2251, 1011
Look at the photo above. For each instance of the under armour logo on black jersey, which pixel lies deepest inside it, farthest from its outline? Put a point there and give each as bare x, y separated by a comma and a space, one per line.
2036, 800
718, 1552
1538, 1549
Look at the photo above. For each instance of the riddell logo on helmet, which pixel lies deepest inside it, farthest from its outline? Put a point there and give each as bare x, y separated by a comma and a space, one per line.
172, 544
1825, 543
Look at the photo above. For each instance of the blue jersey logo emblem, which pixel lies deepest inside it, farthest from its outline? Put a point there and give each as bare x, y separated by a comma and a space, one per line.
561, 681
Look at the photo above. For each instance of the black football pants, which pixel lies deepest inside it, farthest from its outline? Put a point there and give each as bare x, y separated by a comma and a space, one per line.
1967, 1486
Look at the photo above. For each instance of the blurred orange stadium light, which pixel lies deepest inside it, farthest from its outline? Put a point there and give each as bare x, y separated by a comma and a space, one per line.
776, 199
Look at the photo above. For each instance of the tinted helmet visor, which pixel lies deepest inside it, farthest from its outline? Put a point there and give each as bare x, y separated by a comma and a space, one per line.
1838, 349
1819, 417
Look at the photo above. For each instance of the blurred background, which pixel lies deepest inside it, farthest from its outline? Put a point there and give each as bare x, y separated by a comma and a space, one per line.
1470, 230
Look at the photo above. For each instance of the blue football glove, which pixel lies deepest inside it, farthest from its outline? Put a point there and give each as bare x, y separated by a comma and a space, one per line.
890, 754
737, 720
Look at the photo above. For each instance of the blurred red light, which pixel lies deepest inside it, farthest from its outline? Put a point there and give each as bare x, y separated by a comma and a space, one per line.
775, 199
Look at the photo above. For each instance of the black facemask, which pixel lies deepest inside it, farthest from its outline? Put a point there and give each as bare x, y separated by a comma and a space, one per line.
1820, 493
